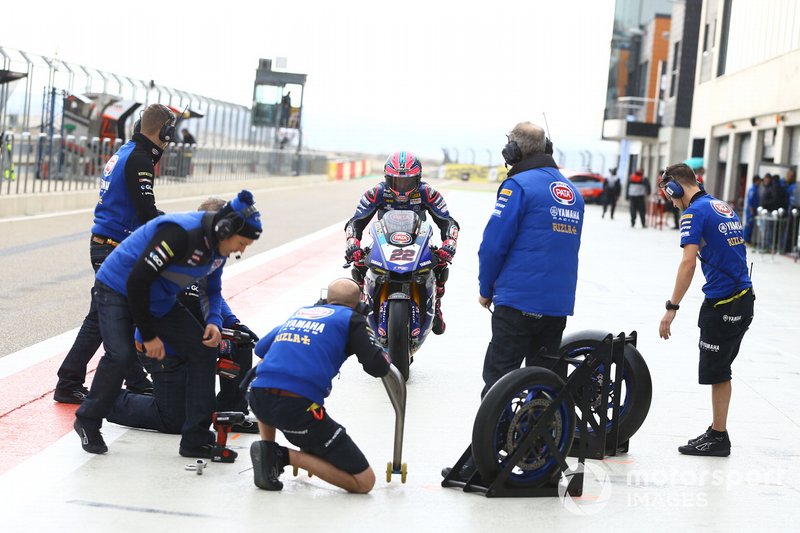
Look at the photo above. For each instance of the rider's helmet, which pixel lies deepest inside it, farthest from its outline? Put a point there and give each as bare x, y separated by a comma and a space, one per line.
403, 173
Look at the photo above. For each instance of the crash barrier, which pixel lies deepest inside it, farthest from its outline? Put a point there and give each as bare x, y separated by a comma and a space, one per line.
34, 164
776, 232
531, 419
347, 170
457, 171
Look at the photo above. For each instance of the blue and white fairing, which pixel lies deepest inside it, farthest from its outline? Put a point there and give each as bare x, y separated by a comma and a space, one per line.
401, 268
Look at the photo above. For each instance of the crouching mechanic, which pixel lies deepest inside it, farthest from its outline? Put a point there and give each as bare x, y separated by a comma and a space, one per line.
165, 409
404, 189
138, 286
300, 358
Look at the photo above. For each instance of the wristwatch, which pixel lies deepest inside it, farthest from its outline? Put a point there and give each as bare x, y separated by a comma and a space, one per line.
672, 307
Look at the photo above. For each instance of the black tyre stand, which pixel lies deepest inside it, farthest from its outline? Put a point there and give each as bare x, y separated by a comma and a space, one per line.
606, 441
578, 385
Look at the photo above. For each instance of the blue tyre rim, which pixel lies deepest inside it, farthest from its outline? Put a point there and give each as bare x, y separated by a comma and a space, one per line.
521, 413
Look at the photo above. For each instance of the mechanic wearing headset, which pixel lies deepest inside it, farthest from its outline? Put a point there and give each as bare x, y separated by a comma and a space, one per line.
126, 202
711, 232
138, 286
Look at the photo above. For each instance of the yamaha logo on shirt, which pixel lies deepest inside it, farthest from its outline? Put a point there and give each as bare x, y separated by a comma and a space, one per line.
562, 193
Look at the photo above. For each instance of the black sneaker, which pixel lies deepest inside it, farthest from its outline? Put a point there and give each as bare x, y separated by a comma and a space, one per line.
245, 427
711, 444
269, 459
699, 437
217, 454
91, 439
71, 396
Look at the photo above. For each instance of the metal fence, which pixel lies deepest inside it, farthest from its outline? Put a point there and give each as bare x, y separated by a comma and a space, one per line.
776, 232
32, 164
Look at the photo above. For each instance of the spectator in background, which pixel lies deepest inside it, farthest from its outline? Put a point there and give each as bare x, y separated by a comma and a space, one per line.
612, 188
286, 108
750, 208
636, 193
188, 138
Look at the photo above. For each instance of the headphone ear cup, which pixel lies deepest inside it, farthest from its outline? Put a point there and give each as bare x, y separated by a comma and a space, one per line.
673, 189
228, 225
167, 132
511, 153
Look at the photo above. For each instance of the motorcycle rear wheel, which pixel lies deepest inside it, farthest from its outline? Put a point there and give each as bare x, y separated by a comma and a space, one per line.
398, 336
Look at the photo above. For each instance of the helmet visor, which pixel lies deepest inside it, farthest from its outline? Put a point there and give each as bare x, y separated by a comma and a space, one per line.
402, 184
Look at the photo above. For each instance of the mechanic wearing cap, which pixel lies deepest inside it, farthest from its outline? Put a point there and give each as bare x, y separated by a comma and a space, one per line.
126, 202
300, 359
711, 232
138, 286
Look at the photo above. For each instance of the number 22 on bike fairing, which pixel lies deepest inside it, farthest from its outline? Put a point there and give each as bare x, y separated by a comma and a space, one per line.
399, 284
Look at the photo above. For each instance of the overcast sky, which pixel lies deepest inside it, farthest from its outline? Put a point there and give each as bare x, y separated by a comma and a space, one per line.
382, 75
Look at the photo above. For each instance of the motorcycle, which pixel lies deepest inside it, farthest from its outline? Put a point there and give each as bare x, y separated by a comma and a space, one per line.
399, 284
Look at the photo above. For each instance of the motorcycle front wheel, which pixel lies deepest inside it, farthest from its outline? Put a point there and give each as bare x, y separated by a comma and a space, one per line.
398, 336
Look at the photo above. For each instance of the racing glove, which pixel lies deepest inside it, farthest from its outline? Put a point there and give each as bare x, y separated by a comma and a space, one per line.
447, 251
353, 253
244, 329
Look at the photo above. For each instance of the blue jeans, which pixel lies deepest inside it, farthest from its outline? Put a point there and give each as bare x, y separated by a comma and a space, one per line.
72, 372
183, 396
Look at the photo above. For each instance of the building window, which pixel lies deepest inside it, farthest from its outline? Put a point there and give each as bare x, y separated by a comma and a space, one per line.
676, 61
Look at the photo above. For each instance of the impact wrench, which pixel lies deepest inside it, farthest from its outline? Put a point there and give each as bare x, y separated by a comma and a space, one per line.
223, 421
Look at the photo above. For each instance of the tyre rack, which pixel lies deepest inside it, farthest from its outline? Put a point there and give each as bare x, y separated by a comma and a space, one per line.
578, 384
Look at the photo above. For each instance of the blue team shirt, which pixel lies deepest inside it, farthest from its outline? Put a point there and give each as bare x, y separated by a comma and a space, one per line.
716, 229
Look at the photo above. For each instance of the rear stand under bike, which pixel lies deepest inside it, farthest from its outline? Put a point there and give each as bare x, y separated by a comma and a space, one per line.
580, 385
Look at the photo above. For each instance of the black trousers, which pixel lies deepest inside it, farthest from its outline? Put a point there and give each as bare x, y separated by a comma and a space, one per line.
518, 337
638, 206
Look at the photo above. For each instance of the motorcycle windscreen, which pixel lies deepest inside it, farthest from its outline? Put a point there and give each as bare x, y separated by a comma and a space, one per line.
400, 221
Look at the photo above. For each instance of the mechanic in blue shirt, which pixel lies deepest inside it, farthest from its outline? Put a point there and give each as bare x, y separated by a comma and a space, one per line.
300, 359
529, 256
138, 286
126, 202
712, 233
404, 189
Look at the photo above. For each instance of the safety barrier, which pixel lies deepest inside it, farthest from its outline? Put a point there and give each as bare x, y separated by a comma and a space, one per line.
776, 232
347, 170
33, 164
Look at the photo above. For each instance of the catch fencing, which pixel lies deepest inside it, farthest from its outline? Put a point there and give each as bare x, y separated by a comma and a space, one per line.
34, 164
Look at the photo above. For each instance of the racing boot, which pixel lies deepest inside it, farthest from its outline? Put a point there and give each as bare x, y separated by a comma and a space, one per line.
438, 320
269, 459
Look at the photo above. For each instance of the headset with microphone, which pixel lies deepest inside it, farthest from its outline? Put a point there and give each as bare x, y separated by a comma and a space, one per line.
512, 154
167, 131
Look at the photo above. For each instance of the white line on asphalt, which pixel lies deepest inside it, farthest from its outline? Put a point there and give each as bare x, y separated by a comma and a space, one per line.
27, 357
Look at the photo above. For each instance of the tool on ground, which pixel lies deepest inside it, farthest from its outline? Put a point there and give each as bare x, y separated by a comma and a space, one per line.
223, 420
198, 466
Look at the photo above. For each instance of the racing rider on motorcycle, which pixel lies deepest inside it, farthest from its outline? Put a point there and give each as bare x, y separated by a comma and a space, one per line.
404, 189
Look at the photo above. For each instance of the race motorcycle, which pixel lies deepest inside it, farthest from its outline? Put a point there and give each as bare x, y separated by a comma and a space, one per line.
399, 283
